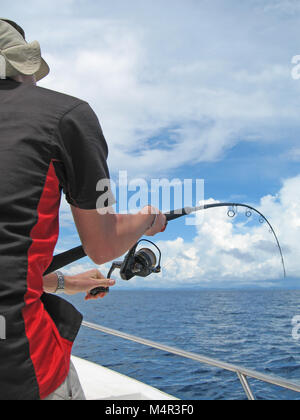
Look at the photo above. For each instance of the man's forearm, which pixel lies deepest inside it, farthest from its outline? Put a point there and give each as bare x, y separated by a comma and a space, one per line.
108, 236
128, 229
119, 233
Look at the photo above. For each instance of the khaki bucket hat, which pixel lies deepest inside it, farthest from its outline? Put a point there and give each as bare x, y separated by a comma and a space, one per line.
20, 56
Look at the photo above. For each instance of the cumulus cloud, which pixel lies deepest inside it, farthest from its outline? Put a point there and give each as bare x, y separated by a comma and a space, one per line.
289, 7
240, 253
226, 252
195, 75
201, 123
148, 80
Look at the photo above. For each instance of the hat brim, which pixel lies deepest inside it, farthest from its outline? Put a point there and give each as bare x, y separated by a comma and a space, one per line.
43, 71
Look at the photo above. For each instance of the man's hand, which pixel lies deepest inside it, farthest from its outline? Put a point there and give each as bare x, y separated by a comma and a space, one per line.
159, 221
86, 282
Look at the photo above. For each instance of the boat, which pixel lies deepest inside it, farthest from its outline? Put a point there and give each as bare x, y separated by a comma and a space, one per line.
101, 383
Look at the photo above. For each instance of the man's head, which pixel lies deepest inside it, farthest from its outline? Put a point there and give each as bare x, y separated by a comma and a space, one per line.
22, 59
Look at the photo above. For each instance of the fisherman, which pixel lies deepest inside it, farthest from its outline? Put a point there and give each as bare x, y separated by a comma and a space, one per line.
49, 143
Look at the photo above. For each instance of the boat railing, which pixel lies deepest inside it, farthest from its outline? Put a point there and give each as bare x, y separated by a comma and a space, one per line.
242, 373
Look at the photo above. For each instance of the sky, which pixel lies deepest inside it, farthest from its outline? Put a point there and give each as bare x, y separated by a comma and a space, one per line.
194, 89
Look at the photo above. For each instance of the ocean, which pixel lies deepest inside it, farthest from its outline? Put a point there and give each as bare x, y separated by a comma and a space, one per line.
251, 328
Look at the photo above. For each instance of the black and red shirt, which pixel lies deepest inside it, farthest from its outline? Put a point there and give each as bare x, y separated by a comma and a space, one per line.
49, 142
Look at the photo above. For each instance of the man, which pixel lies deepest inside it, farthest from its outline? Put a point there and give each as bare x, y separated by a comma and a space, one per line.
48, 142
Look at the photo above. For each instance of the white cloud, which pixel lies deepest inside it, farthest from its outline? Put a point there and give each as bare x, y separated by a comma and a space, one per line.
289, 7
226, 253
204, 122
193, 73
142, 86
293, 154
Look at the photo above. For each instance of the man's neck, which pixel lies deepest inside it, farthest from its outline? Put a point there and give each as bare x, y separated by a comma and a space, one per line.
25, 79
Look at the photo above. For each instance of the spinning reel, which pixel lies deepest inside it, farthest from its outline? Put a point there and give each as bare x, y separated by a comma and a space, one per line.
141, 263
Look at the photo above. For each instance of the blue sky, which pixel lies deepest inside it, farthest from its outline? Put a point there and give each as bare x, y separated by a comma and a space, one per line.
190, 89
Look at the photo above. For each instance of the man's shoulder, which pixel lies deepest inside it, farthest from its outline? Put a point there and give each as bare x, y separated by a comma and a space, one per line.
57, 102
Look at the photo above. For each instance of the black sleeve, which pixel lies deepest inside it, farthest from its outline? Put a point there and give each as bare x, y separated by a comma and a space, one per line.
82, 159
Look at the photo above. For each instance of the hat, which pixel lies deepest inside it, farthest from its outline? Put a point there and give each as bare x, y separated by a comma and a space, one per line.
20, 57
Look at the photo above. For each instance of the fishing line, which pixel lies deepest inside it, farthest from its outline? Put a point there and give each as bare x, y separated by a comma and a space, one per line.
231, 213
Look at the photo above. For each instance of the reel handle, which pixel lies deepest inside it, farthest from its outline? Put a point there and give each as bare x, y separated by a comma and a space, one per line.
98, 290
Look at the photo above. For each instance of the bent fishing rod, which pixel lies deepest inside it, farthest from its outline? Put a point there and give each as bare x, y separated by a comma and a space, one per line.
144, 262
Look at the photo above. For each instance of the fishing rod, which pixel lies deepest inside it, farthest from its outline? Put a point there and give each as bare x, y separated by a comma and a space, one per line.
142, 263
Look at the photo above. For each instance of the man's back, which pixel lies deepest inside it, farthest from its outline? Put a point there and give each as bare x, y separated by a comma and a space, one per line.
48, 142
33, 168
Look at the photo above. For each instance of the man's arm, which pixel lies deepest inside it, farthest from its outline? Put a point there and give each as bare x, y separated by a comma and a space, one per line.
109, 236
81, 163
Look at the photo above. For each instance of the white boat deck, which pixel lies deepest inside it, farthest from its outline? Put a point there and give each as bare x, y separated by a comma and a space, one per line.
100, 383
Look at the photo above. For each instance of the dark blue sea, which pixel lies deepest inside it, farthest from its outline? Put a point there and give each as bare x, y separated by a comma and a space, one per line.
248, 328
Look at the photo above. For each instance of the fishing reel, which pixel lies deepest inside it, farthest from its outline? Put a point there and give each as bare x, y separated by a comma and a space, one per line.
140, 263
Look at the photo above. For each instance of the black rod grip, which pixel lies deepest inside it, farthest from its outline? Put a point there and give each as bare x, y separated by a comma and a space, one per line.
65, 258
176, 214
